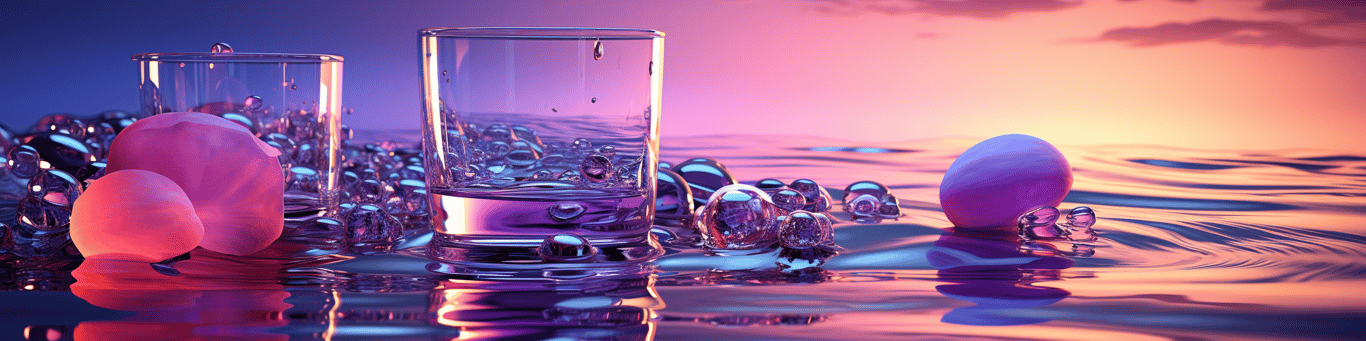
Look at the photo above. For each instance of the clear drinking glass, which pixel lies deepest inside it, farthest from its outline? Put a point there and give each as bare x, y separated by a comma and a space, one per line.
291, 101
532, 132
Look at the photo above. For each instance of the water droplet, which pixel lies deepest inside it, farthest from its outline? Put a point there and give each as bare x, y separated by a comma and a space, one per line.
771, 186
788, 199
891, 207
253, 103
817, 198
704, 177
608, 151
1040, 223
594, 100
858, 188
294, 87
863, 206
652, 67
580, 146
597, 50
565, 211
803, 230
55, 187
1079, 222
565, 247
554, 110
220, 47
24, 161
443, 72
738, 217
370, 224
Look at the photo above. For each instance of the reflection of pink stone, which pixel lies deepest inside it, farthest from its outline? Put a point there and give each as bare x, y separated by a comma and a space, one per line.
233, 179
997, 180
135, 215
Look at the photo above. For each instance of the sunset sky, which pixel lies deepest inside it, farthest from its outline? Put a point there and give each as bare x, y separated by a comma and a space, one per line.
1231, 74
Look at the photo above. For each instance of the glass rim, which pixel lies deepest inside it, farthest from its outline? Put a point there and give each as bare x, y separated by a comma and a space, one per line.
541, 33
210, 57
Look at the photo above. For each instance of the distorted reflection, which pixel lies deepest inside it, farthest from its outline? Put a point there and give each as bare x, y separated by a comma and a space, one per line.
993, 270
619, 308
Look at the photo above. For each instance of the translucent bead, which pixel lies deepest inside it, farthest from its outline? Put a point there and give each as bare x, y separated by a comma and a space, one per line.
788, 199
704, 176
817, 198
803, 230
738, 217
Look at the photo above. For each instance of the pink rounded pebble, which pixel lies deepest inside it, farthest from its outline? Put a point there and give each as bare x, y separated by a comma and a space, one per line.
233, 179
991, 184
134, 215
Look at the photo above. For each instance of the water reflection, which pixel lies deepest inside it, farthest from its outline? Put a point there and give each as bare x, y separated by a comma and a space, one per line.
597, 309
997, 272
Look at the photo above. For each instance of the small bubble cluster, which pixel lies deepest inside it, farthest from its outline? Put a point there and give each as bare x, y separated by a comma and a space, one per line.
1042, 224
500, 155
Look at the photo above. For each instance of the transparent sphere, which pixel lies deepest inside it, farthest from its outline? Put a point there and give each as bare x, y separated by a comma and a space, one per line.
704, 176
803, 230
788, 199
738, 217
817, 198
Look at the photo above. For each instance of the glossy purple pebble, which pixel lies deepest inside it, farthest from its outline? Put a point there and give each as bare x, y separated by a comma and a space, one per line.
996, 181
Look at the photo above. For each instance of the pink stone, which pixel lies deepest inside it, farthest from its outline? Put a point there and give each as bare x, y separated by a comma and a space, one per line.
991, 184
134, 215
233, 179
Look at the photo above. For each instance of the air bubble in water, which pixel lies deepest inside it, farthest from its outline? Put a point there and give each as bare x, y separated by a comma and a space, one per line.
597, 168
597, 50
220, 47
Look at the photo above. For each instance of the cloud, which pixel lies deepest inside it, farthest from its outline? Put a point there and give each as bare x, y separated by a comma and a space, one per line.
983, 9
1336, 16
1236, 32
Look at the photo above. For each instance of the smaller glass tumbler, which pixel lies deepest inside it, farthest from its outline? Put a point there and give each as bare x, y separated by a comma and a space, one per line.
536, 132
291, 101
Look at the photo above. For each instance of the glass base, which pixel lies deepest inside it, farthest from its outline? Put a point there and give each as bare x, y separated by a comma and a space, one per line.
462, 257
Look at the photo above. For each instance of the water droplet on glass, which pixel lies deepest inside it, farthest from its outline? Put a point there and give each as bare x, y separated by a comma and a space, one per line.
789, 199
593, 100
738, 217
597, 50
803, 230
220, 48
817, 198
565, 247
565, 211
443, 72
293, 86
253, 103
554, 110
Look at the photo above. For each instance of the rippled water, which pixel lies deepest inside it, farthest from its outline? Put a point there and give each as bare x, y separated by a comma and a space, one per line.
1194, 245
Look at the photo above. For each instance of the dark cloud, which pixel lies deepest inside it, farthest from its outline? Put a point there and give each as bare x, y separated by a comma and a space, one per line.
1238, 32
986, 9
1337, 16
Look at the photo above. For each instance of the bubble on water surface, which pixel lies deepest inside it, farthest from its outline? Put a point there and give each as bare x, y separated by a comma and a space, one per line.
788, 199
803, 230
738, 217
1079, 222
863, 206
1040, 224
864, 187
817, 198
61, 151
704, 176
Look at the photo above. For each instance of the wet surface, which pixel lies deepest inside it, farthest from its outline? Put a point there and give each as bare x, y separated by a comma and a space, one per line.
1193, 245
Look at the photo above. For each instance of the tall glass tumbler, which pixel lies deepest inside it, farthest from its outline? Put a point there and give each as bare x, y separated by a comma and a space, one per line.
534, 132
291, 101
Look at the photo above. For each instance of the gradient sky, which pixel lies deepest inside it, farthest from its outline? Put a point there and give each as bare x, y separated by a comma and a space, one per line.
1231, 74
